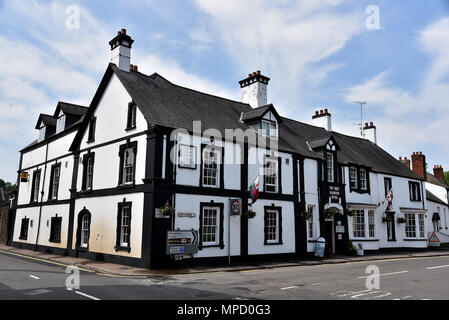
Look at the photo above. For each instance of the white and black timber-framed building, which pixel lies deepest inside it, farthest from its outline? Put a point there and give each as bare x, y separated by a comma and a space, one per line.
98, 174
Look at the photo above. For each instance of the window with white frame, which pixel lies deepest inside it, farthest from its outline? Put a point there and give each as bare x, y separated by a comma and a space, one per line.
89, 173
125, 225
187, 156
269, 129
271, 226
371, 224
358, 224
35, 186
42, 134
128, 166
311, 210
410, 225
211, 167
363, 179
55, 182
415, 191
330, 167
85, 231
353, 177
210, 226
271, 175
421, 225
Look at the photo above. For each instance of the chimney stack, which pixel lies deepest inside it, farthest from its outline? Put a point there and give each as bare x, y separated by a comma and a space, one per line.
121, 50
370, 132
322, 119
254, 89
438, 172
419, 164
405, 162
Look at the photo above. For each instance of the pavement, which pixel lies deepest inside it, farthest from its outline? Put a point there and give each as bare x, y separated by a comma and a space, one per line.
126, 271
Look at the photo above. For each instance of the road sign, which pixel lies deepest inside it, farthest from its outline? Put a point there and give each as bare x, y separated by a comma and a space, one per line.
434, 241
182, 242
236, 207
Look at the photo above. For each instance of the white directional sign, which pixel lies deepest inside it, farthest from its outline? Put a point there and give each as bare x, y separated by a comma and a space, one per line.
182, 242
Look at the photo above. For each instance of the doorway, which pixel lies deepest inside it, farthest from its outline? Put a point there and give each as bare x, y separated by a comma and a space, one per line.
330, 236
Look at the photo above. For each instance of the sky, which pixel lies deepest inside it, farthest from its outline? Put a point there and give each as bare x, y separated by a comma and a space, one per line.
318, 53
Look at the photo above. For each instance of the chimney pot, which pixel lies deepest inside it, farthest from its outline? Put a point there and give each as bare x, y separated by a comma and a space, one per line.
136, 68
371, 124
400, 158
258, 72
317, 113
366, 124
123, 31
131, 67
321, 112
254, 74
326, 111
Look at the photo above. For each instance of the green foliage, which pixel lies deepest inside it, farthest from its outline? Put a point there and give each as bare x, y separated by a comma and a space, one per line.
446, 177
352, 250
8, 186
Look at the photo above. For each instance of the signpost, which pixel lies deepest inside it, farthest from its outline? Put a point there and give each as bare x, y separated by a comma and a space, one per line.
182, 242
235, 206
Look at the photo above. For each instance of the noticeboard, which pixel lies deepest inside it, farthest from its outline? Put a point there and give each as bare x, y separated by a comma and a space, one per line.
182, 242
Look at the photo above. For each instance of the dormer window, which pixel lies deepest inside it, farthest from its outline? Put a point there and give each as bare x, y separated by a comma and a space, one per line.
60, 124
269, 129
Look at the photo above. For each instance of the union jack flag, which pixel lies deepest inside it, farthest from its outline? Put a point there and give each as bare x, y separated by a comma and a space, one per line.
389, 200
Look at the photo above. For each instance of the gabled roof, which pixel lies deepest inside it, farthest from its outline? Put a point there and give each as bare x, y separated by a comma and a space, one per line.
434, 180
320, 143
260, 112
166, 104
47, 120
70, 108
431, 197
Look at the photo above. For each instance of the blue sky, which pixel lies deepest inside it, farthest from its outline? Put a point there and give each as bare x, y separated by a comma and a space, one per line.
318, 54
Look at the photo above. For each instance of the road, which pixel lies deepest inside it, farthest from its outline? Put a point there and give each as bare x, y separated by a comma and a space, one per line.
399, 279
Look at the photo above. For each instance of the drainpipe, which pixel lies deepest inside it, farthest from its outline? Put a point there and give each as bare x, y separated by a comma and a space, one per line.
42, 198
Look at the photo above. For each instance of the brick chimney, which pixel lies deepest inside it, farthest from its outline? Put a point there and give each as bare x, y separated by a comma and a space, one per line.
322, 119
419, 164
405, 162
254, 89
438, 172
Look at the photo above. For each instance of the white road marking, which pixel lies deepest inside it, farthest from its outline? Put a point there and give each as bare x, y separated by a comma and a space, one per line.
406, 297
288, 288
382, 295
348, 293
437, 267
364, 294
34, 277
315, 284
385, 274
86, 295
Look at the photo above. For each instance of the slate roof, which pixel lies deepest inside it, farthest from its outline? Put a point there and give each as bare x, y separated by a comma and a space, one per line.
434, 180
70, 108
431, 197
47, 120
166, 104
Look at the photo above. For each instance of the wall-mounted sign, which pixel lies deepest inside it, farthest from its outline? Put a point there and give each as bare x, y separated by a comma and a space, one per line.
186, 215
24, 177
236, 207
182, 242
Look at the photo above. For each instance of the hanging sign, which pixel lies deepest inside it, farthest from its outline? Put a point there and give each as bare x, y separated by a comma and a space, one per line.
24, 177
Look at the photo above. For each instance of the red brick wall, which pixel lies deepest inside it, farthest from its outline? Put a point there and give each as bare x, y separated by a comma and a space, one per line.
438, 172
419, 164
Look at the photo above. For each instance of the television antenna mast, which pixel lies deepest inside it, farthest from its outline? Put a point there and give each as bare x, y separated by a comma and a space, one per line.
361, 103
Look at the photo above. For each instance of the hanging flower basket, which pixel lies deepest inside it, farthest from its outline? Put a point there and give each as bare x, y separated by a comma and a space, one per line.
250, 214
387, 219
167, 210
306, 215
349, 213
402, 220
329, 213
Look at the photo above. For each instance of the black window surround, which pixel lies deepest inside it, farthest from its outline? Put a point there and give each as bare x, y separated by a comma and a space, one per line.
123, 148
193, 149
278, 173
221, 245
24, 229
325, 166
92, 129
55, 229
279, 221
212, 147
81, 215
132, 116
415, 191
358, 169
118, 246
52, 182
36, 177
89, 156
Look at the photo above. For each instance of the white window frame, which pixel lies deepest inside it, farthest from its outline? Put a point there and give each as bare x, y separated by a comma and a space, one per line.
371, 224
125, 226
85, 231
208, 222
351, 178
363, 180
272, 236
187, 156
42, 132
129, 167
272, 174
421, 225
269, 128
55, 182
211, 172
89, 173
410, 226
365, 229
60, 123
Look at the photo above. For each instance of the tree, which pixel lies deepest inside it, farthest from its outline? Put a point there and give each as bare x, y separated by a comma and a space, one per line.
446, 177
8, 186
